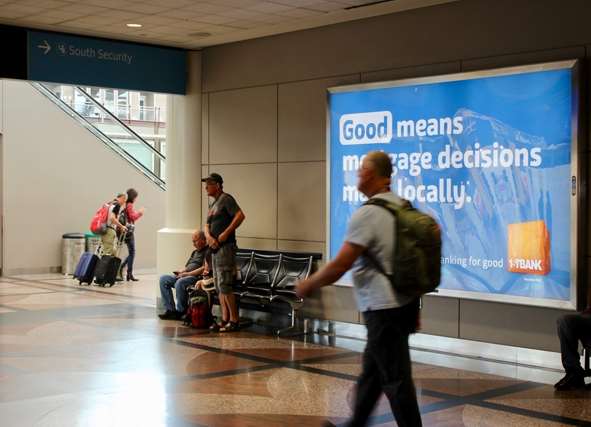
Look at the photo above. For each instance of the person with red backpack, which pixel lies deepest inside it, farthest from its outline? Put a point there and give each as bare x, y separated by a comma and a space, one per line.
109, 237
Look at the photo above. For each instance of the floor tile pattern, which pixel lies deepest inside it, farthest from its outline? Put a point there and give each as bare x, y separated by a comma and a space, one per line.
74, 355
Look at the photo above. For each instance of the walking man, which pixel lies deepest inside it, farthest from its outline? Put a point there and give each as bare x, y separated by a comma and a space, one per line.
223, 218
389, 316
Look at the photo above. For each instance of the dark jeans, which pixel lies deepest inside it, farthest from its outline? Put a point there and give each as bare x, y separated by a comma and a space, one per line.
386, 366
571, 329
130, 241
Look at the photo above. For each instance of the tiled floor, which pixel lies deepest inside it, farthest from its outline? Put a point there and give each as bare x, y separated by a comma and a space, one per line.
93, 356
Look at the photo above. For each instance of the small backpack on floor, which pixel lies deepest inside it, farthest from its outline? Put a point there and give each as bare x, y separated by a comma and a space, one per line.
199, 312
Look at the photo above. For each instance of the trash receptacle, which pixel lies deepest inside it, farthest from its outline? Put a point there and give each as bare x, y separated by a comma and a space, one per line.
72, 250
92, 242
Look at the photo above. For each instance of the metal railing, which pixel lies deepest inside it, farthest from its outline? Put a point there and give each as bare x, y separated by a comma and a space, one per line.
146, 155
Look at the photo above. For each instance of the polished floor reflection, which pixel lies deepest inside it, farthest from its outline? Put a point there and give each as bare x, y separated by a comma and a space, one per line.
92, 356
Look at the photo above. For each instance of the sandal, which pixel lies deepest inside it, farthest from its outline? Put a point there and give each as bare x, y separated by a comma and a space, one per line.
230, 327
215, 326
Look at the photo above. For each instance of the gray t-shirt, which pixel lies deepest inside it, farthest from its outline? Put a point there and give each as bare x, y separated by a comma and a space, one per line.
220, 216
373, 228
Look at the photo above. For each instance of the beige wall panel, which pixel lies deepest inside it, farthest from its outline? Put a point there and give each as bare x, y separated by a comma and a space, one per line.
260, 244
516, 325
411, 72
332, 303
301, 206
523, 58
301, 246
205, 129
444, 33
255, 190
243, 125
302, 118
439, 316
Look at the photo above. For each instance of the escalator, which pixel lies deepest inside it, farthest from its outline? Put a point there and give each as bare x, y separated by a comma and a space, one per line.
136, 135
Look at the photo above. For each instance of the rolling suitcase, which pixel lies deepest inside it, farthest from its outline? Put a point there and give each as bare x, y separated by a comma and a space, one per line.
86, 267
106, 270
107, 266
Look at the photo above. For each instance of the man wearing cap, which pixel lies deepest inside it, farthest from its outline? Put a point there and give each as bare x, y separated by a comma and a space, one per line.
223, 218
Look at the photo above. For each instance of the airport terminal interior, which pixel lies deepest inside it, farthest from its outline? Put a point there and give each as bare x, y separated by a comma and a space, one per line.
483, 107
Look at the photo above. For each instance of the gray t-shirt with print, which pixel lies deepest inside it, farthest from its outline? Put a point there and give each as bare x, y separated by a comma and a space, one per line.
372, 227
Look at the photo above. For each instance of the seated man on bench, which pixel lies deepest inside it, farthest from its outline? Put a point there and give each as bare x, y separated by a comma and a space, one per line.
573, 328
184, 279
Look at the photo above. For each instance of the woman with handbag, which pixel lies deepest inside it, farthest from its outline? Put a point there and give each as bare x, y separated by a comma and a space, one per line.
130, 217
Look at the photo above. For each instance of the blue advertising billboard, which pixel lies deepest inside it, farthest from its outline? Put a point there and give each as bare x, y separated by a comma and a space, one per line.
491, 155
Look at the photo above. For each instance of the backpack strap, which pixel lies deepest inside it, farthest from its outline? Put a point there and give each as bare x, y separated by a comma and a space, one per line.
393, 209
390, 207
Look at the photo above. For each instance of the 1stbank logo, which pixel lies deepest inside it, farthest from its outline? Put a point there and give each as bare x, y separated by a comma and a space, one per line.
528, 248
365, 128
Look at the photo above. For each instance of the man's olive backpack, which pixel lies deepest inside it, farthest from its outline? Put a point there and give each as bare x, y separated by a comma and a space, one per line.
417, 251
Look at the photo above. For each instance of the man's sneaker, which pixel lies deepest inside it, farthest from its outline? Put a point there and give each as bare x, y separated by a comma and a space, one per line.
170, 315
570, 382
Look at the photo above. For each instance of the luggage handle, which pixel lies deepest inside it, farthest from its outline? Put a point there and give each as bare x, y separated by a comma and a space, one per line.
120, 241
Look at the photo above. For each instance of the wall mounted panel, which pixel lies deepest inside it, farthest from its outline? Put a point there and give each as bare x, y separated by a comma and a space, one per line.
302, 118
255, 189
411, 72
301, 201
243, 126
517, 325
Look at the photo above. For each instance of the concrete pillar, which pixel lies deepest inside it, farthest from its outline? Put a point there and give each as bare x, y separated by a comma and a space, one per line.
183, 172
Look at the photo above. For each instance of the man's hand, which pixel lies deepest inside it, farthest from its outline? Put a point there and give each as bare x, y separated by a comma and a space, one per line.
212, 242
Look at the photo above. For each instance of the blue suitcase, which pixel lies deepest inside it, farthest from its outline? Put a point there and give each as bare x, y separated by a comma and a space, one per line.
85, 269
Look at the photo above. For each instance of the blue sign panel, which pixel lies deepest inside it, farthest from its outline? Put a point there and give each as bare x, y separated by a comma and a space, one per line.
489, 156
88, 61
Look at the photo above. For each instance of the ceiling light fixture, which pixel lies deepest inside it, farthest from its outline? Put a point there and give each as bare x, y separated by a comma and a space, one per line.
134, 25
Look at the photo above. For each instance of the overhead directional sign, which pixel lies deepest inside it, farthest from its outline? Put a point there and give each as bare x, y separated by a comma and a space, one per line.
62, 58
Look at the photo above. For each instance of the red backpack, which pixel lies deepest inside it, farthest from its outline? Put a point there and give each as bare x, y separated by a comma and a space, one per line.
98, 224
199, 311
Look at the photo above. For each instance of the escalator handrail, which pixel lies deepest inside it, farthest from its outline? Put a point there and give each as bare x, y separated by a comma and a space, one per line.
114, 117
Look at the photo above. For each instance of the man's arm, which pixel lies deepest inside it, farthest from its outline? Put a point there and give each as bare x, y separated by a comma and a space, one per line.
211, 241
236, 221
197, 272
332, 271
116, 221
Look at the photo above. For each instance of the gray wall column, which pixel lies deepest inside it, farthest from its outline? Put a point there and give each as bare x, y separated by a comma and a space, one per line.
183, 172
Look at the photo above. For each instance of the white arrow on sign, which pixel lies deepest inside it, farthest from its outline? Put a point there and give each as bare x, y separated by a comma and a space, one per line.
46, 46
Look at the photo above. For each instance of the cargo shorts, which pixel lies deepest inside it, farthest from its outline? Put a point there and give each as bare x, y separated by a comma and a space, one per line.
224, 268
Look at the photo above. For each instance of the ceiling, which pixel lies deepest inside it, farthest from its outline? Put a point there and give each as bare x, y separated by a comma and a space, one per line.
192, 24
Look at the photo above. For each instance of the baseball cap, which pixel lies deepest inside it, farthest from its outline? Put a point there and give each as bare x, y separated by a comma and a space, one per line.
215, 177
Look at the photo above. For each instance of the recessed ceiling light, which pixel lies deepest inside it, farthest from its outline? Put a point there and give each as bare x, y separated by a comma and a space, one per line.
134, 25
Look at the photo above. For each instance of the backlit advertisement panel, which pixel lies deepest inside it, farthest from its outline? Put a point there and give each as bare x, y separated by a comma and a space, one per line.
490, 155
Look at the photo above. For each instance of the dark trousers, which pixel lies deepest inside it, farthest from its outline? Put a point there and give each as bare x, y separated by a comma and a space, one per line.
571, 329
130, 241
387, 368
